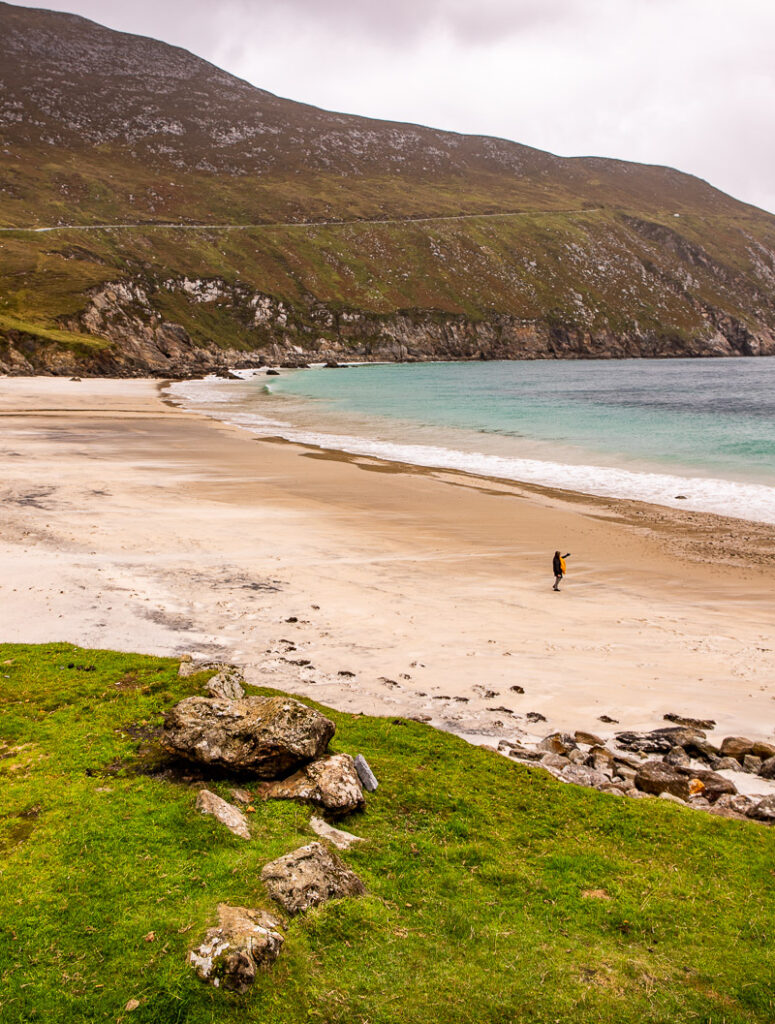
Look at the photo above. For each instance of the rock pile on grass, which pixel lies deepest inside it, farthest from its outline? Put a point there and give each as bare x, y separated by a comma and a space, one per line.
282, 744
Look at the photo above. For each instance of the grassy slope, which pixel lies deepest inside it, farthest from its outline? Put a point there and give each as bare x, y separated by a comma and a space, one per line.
582, 268
476, 870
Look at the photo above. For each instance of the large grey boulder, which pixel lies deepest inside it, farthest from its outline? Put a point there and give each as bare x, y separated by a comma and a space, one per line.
228, 815
331, 783
308, 876
231, 954
267, 736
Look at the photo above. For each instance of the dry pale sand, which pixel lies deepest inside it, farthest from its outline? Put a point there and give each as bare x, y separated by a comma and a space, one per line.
127, 523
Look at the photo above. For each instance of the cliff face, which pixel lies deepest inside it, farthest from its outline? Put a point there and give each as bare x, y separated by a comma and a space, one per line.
158, 215
139, 341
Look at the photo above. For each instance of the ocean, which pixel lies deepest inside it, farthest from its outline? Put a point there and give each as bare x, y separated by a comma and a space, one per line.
692, 434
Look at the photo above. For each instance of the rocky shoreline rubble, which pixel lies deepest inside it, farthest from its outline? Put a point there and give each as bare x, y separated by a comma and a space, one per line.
676, 763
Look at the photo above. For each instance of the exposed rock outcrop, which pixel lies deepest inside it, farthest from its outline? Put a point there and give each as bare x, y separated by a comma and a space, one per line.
266, 736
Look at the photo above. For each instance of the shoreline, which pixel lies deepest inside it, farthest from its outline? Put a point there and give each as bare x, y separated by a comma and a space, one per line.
563, 467
373, 586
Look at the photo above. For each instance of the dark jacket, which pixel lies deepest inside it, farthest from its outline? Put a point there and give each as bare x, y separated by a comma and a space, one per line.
556, 567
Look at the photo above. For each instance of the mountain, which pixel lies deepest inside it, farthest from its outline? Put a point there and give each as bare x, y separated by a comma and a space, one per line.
198, 220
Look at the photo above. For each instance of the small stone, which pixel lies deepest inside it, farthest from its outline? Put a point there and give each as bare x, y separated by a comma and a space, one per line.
535, 716
578, 775
763, 750
341, 840
691, 723
517, 689
132, 1005
764, 810
677, 756
186, 667
234, 820
673, 799
551, 760
557, 743
242, 796
737, 802
226, 684
607, 720
365, 774
232, 953
587, 738
309, 876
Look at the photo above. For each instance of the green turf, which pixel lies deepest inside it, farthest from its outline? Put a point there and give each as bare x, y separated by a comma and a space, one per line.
476, 870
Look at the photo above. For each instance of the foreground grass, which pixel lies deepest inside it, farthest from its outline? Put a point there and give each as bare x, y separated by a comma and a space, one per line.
495, 893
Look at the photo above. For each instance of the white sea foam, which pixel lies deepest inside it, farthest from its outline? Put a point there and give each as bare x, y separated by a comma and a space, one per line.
750, 501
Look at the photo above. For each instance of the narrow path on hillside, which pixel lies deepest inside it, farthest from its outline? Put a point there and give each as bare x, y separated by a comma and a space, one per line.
291, 223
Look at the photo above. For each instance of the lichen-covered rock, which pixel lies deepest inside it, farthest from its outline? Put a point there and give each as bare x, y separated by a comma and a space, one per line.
309, 876
331, 783
228, 815
341, 840
267, 736
232, 953
226, 684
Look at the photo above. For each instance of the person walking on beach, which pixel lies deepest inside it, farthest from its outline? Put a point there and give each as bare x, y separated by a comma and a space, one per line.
558, 568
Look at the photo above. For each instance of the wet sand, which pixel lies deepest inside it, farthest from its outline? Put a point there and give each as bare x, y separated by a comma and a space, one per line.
128, 523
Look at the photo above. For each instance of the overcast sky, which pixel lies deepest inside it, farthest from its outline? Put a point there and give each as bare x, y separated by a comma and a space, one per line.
690, 83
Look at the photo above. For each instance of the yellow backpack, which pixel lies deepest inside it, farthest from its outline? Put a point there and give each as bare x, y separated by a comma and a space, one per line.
562, 565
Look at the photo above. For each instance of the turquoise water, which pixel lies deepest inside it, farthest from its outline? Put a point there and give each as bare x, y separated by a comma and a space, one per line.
714, 416
649, 429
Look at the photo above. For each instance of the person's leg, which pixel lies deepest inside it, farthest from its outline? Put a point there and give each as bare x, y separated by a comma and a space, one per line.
556, 582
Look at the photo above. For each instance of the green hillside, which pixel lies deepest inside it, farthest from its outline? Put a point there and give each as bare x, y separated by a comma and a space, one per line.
495, 893
366, 232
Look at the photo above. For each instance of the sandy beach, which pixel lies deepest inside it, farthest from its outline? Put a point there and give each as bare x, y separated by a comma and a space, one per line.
128, 523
